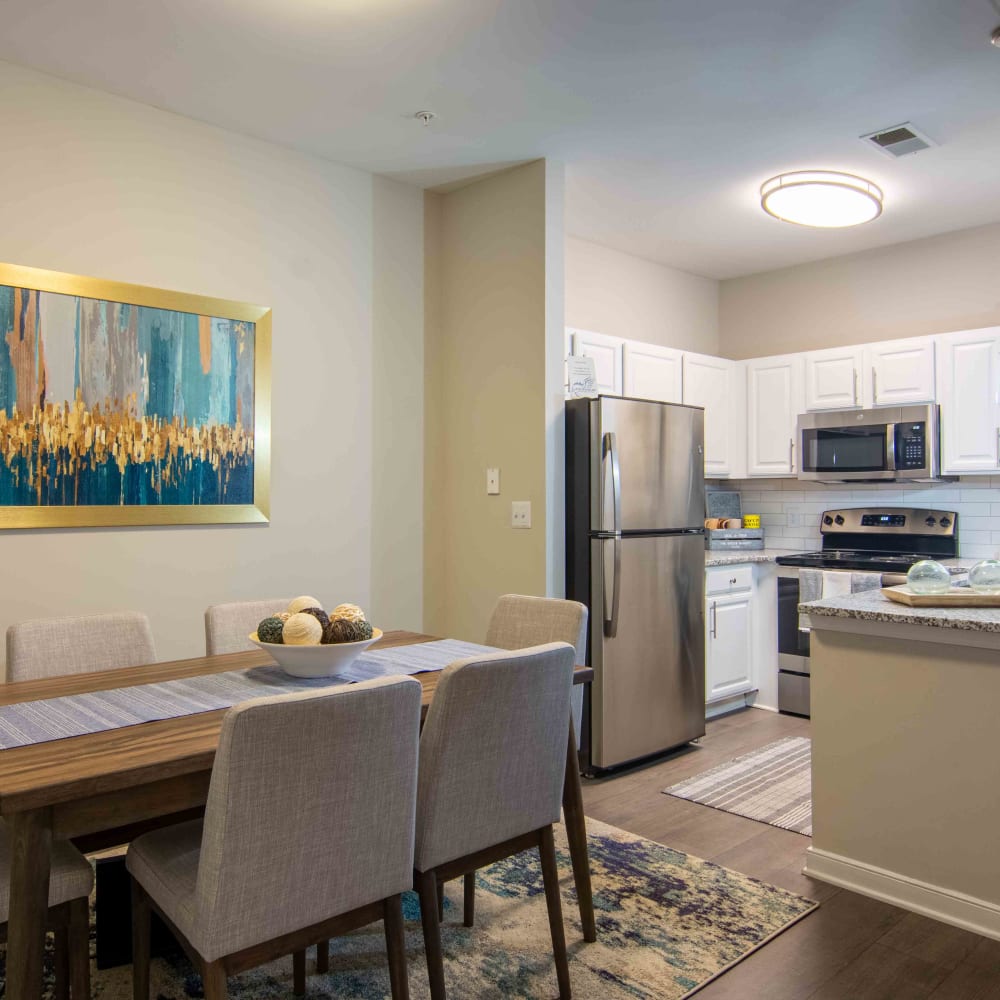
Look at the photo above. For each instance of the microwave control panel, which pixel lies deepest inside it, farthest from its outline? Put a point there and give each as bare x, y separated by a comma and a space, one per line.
911, 446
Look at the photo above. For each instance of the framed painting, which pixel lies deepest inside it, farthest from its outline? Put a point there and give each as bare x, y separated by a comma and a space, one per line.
127, 405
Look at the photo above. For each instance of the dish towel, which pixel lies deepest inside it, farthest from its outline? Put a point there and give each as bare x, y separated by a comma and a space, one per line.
817, 583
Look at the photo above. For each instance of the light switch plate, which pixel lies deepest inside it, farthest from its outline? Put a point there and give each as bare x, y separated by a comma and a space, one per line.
493, 482
520, 514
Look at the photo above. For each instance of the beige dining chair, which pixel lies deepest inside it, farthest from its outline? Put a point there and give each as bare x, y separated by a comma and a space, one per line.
70, 880
492, 760
308, 833
228, 625
54, 647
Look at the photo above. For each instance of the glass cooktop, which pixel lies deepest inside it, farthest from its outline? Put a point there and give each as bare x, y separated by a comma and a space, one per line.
884, 562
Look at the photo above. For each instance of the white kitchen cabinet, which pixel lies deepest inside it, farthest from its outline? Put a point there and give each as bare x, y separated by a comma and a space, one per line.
901, 371
728, 646
774, 401
607, 353
834, 379
719, 385
968, 369
652, 372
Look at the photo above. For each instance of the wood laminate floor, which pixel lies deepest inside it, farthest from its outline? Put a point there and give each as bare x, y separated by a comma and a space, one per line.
852, 947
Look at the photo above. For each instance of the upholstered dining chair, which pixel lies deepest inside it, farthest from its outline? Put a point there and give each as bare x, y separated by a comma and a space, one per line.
53, 647
228, 625
70, 880
492, 759
308, 833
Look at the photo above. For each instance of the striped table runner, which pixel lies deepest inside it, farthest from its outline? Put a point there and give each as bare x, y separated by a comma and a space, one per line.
31, 722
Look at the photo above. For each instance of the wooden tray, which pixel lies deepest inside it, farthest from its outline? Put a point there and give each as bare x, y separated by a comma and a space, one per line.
957, 597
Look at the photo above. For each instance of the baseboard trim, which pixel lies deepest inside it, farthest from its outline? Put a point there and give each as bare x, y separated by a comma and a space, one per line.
933, 901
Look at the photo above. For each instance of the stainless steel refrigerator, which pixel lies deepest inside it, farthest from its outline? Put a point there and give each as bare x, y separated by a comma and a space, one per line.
635, 555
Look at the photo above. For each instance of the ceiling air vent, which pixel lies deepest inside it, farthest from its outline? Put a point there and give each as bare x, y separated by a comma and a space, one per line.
899, 140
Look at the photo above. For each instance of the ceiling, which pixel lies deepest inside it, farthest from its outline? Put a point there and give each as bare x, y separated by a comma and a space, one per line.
667, 113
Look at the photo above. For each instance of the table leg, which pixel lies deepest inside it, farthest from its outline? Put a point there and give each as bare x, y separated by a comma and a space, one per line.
576, 833
30, 858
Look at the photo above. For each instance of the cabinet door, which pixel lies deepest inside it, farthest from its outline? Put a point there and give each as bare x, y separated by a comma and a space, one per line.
832, 379
728, 664
774, 401
969, 394
607, 354
709, 383
652, 372
902, 371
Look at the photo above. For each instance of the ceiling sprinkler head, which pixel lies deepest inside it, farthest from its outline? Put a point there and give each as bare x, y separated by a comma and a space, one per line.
425, 117
995, 38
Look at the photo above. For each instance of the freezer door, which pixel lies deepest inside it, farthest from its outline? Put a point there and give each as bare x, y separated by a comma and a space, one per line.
647, 466
649, 664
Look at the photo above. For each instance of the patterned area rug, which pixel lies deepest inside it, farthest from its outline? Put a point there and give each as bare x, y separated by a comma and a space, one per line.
772, 785
667, 924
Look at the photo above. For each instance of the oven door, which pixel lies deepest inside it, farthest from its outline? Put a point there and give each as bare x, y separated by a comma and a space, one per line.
793, 651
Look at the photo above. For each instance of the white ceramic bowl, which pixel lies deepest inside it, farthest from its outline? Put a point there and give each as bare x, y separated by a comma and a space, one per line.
316, 661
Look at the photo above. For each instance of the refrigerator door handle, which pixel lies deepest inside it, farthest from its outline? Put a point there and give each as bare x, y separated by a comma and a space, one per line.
611, 452
611, 624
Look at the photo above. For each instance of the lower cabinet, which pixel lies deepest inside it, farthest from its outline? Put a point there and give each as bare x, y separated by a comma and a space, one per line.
728, 646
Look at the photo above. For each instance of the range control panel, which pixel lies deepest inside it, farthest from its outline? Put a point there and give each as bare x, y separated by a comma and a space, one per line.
889, 520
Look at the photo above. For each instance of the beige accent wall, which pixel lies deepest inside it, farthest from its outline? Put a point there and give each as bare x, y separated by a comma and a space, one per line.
485, 396
102, 186
626, 296
927, 286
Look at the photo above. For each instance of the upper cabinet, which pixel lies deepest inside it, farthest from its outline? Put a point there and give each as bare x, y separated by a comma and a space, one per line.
774, 401
607, 354
833, 379
902, 371
719, 386
969, 394
653, 372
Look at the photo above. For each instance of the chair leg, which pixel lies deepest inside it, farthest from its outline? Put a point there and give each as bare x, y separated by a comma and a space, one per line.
440, 902
470, 899
323, 956
427, 887
61, 959
395, 945
550, 876
140, 943
79, 948
299, 973
213, 978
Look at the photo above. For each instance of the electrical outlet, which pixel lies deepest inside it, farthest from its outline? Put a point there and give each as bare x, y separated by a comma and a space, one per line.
492, 482
520, 514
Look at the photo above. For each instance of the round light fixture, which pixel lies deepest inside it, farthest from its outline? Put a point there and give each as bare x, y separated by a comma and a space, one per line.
827, 199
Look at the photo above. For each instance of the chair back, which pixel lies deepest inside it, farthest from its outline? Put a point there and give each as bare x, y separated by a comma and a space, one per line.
54, 647
520, 621
228, 625
493, 751
310, 810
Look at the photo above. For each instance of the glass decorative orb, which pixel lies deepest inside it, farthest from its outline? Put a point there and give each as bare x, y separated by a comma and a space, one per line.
984, 577
928, 577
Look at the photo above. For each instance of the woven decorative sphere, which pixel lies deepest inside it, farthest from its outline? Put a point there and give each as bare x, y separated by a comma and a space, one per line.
319, 614
270, 629
345, 630
282, 615
301, 630
301, 603
351, 612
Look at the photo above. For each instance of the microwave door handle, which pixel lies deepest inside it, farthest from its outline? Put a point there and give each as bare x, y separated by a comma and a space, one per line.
890, 447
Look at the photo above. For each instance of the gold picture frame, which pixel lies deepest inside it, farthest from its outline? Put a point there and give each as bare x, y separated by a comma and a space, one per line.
156, 453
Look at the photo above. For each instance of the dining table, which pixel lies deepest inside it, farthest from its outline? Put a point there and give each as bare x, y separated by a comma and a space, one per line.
104, 788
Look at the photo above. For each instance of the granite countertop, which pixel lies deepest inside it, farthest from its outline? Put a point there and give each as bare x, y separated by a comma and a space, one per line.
874, 606
734, 557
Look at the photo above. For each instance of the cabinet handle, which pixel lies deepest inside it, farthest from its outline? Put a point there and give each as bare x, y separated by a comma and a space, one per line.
791, 454
855, 387
874, 384
998, 446
715, 621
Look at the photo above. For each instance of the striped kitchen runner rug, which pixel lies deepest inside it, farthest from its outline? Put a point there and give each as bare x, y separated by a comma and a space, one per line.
772, 785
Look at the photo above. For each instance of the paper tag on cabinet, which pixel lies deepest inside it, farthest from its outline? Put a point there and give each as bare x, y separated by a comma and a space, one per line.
582, 376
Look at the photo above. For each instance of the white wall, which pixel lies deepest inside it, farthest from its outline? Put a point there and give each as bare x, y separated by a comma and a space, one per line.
626, 296
101, 186
933, 285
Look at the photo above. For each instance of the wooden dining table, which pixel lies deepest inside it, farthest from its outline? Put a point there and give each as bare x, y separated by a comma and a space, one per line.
104, 788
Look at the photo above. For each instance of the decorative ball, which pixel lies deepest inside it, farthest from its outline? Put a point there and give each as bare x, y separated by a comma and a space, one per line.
283, 616
269, 630
301, 630
349, 611
984, 577
301, 603
345, 630
929, 577
319, 614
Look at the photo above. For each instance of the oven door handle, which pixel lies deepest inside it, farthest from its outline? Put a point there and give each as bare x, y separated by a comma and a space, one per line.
890, 447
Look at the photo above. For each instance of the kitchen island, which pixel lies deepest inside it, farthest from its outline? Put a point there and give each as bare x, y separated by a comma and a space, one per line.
906, 755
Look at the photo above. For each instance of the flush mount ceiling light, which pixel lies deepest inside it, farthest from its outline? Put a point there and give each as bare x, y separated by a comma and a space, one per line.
826, 199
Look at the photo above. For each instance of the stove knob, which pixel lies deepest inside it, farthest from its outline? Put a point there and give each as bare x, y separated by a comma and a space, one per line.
827, 519
945, 522
930, 522
839, 519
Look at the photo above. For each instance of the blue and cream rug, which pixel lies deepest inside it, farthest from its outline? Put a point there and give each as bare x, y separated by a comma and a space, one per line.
667, 924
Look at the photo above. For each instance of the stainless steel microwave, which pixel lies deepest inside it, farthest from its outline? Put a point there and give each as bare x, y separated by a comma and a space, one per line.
891, 443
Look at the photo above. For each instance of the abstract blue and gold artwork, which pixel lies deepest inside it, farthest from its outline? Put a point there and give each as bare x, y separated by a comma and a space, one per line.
127, 405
